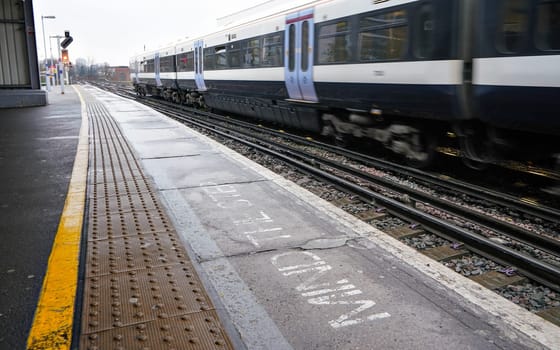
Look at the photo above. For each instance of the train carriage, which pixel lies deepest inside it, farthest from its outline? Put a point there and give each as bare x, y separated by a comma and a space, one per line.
166, 75
243, 70
143, 72
392, 72
402, 72
516, 83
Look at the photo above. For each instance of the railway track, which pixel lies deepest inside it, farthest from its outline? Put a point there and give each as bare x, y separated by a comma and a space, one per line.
463, 230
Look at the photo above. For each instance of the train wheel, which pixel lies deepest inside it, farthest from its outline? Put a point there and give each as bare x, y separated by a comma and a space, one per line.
338, 138
474, 164
341, 140
423, 153
477, 152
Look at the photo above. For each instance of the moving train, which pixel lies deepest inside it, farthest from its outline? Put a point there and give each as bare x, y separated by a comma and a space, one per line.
407, 73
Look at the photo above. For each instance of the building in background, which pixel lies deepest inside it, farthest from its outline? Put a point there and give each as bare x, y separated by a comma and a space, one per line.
119, 74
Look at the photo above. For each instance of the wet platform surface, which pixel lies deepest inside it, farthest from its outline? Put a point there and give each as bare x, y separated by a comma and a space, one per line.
190, 245
37, 151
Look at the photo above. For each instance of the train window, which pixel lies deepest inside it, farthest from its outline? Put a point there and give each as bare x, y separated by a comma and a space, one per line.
292, 48
190, 61
383, 36
334, 44
305, 46
164, 64
233, 54
181, 62
273, 51
220, 57
208, 59
548, 25
185, 62
167, 64
512, 30
388, 19
424, 40
252, 56
149, 66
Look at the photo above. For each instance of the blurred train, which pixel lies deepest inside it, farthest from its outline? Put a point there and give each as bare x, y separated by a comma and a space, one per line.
407, 73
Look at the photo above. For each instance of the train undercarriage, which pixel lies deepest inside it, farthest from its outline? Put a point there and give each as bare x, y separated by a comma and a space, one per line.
478, 145
417, 144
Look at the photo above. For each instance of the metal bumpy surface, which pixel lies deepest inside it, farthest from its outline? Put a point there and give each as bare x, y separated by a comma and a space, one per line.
141, 290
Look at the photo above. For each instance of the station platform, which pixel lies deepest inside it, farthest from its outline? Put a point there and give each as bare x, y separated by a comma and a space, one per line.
185, 244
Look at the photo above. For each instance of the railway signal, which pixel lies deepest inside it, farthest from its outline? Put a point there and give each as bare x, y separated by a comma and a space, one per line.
67, 39
65, 57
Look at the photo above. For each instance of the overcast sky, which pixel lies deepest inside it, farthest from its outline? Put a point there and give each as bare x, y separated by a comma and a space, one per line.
114, 30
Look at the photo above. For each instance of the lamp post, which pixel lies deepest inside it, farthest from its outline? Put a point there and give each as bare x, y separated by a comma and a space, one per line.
60, 65
47, 82
57, 37
52, 57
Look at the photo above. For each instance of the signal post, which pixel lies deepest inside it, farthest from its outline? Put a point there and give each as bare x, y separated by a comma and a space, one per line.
64, 58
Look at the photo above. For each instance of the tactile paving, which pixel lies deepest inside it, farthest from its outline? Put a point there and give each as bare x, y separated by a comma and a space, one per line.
117, 188
195, 331
141, 290
131, 297
140, 252
125, 203
127, 223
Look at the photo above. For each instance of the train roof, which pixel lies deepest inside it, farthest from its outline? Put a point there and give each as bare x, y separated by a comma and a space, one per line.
259, 20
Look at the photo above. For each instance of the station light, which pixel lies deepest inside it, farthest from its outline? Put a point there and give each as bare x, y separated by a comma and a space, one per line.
65, 57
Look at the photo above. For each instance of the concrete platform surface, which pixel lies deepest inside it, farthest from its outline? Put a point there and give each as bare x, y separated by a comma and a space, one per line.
292, 271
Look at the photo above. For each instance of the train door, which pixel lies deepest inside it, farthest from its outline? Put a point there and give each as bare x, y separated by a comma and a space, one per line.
199, 65
136, 70
156, 69
298, 63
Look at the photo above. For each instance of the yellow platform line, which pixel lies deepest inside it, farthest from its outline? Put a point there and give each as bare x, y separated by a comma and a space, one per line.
54, 316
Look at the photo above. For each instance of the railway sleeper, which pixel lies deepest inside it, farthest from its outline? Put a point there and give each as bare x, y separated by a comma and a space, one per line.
444, 253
